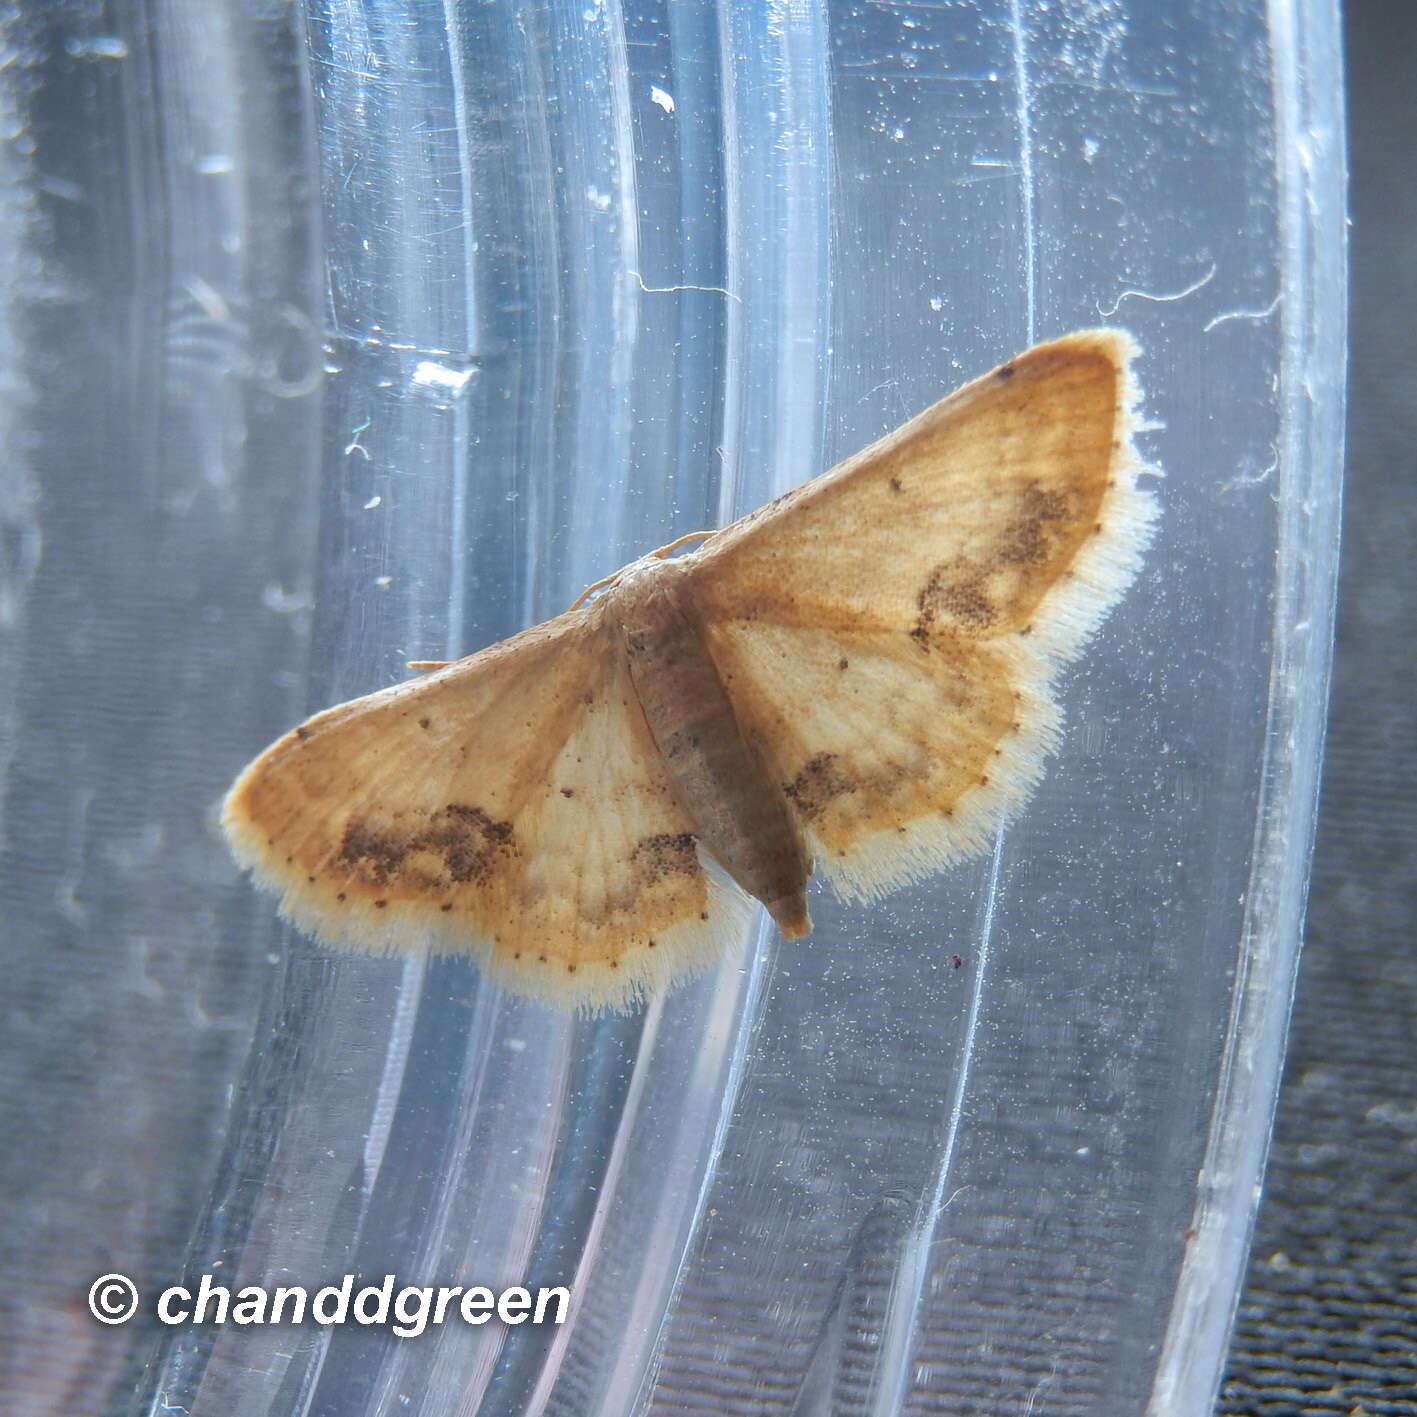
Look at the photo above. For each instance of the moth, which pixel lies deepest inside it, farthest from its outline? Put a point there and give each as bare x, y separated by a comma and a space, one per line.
856, 679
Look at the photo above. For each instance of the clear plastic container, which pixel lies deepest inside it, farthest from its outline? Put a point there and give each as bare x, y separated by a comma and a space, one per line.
589, 276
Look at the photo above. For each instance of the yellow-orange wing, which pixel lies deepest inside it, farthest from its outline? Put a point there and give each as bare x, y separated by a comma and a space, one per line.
511, 806
887, 633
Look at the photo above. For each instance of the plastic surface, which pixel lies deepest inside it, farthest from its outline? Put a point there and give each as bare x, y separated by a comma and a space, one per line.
587, 277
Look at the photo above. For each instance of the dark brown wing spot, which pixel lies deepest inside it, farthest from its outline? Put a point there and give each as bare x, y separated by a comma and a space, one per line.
666, 854
378, 854
821, 780
1025, 539
959, 590
954, 589
470, 842
1022, 544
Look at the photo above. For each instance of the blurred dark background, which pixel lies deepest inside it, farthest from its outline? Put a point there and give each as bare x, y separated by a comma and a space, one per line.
1328, 1319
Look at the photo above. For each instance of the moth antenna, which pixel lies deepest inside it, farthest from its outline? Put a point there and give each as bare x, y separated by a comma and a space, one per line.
591, 590
615, 575
682, 541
